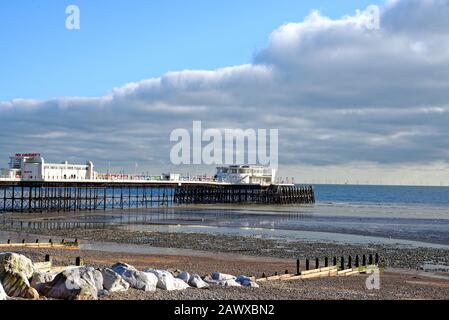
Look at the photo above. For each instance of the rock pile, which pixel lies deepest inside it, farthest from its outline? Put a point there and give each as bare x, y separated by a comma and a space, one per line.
19, 278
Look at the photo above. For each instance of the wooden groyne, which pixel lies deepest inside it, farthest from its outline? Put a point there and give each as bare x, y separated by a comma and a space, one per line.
344, 269
85, 196
41, 245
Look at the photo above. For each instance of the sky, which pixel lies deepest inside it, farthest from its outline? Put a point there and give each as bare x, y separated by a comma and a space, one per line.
124, 41
352, 104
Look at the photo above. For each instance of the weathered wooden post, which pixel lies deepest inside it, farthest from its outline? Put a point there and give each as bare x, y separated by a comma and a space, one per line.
79, 261
349, 262
370, 261
357, 264
335, 261
47, 258
317, 263
326, 262
9, 241
376, 258
23, 240
307, 264
364, 260
342, 263
297, 266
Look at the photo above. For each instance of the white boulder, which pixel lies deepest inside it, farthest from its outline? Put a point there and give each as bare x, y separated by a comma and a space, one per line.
192, 280
40, 279
246, 282
226, 282
15, 272
196, 282
230, 283
179, 284
113, 282
74, 284
166, 281
184, 276
93, 276
218, 276
136, 279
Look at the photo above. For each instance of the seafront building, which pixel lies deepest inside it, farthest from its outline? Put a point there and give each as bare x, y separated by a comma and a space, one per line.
32, 167
246, 174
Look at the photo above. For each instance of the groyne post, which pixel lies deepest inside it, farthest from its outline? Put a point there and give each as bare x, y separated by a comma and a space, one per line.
79, 261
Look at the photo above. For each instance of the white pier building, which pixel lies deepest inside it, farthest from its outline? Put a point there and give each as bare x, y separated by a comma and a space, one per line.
32, 167
246, 174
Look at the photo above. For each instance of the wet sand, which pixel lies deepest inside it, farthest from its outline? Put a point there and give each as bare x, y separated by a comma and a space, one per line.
350, 223
155, 242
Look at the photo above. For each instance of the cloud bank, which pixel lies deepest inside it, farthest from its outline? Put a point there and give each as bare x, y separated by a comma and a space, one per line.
339, 92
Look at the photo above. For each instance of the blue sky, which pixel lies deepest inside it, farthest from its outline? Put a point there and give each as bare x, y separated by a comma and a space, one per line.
352, 102
124, 41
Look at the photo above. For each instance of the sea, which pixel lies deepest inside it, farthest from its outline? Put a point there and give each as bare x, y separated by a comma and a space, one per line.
357, 214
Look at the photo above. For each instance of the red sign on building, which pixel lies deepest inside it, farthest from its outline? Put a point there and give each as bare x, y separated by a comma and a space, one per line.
22, 155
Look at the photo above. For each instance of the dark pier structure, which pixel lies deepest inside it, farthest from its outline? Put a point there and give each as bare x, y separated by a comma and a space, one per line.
83, 196
243, 194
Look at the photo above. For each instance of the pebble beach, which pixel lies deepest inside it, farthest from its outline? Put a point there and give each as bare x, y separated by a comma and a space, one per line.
402, 276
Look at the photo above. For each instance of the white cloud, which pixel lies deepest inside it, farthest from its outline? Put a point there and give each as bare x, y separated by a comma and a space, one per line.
338, 91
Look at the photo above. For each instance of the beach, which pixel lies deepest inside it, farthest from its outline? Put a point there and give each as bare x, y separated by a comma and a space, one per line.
402, 276
411, 240
394, 283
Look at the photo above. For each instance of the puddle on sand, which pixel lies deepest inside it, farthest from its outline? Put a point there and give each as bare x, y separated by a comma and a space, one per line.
288, 235
313, 223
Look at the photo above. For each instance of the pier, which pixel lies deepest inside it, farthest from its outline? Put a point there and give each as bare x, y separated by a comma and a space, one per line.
66, 196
